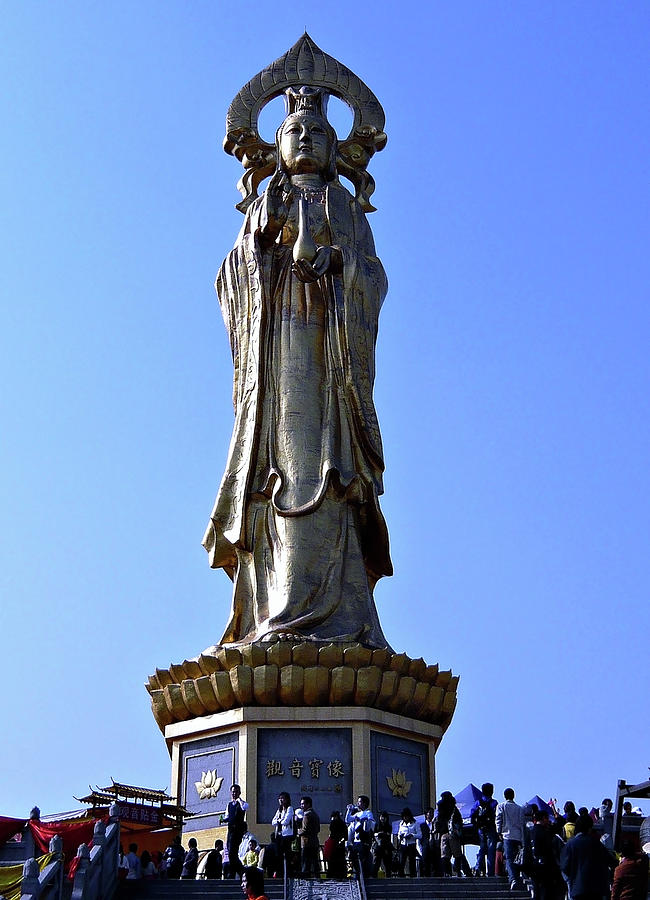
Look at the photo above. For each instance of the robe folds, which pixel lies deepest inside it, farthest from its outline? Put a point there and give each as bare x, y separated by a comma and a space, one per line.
296, 523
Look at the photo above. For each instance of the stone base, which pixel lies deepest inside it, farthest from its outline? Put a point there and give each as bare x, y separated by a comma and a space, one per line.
330, 753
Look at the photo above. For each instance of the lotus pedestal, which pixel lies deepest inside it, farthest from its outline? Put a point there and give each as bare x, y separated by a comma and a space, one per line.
331, 721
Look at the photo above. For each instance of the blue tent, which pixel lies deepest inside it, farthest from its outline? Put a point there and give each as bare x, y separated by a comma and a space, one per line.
542, 805
466, 799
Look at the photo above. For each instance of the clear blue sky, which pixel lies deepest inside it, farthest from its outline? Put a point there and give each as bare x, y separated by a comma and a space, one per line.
513, 371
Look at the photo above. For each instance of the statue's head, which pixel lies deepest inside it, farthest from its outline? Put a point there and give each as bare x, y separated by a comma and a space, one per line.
306, 142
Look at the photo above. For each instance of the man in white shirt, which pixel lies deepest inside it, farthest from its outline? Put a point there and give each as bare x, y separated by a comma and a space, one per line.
235, 819
511, 825
135, 871
361, 824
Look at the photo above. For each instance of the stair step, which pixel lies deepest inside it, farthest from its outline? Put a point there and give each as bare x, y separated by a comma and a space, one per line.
442, 889
376, 889
167, 888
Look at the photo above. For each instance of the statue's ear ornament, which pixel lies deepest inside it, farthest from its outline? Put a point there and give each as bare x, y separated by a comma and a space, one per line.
306, 76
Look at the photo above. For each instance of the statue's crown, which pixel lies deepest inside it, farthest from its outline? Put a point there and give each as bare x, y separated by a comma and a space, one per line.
306, 99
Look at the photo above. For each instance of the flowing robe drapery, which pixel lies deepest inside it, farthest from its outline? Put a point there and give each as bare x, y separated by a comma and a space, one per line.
296, 522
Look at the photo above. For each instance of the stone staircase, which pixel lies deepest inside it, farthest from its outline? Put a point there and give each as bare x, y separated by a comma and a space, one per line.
204, 889
376, 889
442, 889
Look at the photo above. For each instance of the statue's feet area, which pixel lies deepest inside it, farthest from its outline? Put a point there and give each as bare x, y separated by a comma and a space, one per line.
272, 636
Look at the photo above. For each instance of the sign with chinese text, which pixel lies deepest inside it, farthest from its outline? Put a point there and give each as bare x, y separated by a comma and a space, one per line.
304, 761
139, 814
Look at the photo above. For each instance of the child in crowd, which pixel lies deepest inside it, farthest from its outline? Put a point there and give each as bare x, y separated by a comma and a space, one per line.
252, 855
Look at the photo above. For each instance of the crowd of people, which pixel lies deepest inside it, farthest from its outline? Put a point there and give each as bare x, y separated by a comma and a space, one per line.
175, 862
557, 854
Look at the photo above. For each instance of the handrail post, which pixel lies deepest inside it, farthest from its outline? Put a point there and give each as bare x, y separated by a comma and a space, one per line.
362, 881
284, 878
56, 846
30, 883
81, 876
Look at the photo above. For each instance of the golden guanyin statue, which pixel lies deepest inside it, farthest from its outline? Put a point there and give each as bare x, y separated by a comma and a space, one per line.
297, 523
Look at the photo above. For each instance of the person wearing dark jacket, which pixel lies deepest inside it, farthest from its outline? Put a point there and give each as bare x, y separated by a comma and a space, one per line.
214, 862
174, 856
631, 876
336, 865
448, 829
586, 864
382, 846
546, 872
483, 815
430, 864
191, 861
235, 819
308, 834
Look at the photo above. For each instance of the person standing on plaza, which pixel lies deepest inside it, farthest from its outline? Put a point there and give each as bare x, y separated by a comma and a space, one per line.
309, 844
382, 846
191, 861
336, 865
546, 872
586, 863
483, 815
448, 829
430, 864
235, 819
511, 825
361, 828
407, 835
429, 848
214, 862
252, 855
148, 866
631, 875
606, 820
133, 860
570, 820
283, 823
173, 858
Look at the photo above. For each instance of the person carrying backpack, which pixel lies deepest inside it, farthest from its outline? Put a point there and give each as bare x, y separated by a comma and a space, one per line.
483, 815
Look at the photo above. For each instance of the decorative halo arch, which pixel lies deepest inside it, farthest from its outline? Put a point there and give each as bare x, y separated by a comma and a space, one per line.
305, 64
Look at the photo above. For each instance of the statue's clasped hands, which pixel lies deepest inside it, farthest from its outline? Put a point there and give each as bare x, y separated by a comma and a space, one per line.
311, 262
327, 259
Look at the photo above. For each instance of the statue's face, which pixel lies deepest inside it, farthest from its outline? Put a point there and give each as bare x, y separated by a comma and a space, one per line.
305, 145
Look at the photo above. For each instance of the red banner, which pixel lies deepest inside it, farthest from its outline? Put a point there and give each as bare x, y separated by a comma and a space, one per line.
71, 833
